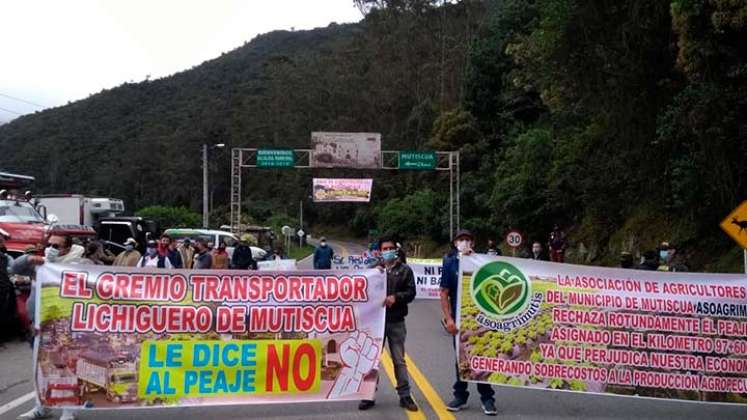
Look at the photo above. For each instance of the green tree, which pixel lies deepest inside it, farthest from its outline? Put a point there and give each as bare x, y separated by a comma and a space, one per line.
171, 217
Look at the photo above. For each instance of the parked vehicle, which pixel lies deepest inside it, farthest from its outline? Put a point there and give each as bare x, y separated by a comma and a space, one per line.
214, 237
19, 220
118, 229
76, 209
114, 373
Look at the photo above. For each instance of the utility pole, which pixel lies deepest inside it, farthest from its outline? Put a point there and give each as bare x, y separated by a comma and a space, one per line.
300, 221
205, 186
205, 198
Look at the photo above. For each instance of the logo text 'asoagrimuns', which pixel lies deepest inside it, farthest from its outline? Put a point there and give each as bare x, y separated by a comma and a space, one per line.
502, 293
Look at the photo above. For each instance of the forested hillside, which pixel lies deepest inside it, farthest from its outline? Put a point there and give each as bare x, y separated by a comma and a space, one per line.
623, 121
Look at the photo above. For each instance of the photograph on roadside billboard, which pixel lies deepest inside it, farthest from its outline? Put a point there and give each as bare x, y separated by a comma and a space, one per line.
346, 150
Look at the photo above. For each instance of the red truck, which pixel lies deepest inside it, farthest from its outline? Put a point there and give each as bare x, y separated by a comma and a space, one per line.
22, 223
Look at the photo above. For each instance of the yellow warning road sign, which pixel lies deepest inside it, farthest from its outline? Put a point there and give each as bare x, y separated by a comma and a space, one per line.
735, 225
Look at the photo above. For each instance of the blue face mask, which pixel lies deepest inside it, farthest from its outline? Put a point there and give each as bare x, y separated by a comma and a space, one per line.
663, 255
389, 255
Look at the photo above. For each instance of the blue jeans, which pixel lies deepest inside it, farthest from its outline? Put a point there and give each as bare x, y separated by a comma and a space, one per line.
461, 391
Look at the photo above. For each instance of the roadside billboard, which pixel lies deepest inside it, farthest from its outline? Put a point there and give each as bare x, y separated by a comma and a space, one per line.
337, 190
346, 150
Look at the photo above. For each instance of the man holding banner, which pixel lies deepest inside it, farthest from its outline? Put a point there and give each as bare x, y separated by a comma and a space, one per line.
463, 243
400, 291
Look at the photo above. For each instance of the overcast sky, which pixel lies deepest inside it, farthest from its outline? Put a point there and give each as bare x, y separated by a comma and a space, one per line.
58, 51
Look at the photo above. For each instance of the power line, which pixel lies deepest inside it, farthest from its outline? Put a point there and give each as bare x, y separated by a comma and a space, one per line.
12, 112
22, 100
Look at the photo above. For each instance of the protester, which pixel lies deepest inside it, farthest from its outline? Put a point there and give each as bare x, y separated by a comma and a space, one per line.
220, 257
130, 256
650, 261
669, 259
186, 252
538, 253
203, 259
323, 255
95, 253
277, 254
60, 249
462, 245
10, 327
492, 248
152, 258
168, 248
400, 290
242, 258
557, 245
626, 260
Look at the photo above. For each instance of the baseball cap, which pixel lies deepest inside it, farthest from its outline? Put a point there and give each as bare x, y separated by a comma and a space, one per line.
323, 238
464, 232
130, 241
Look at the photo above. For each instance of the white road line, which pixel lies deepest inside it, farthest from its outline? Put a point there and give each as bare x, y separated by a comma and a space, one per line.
18, 401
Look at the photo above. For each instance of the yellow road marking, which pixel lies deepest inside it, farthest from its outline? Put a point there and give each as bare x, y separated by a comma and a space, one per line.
386, 361
430, 394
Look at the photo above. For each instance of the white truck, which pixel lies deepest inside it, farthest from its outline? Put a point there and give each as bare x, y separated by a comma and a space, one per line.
76, 209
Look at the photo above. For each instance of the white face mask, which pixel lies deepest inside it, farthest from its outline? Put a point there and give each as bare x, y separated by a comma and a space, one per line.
51, 254
463, 246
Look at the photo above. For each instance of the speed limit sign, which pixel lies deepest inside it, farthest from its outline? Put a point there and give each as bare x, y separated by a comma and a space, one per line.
514, 239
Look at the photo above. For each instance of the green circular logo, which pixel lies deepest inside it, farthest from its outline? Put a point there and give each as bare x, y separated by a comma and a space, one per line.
500, 290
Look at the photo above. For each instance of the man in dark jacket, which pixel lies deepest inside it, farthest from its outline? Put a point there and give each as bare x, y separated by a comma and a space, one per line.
463, 245
323, 255
400, 291
10, 326
242, 258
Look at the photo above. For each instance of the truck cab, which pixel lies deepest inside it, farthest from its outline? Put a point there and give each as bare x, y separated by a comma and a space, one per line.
19, 220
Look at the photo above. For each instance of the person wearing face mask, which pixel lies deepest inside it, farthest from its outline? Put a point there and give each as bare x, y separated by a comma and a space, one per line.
669, 259
323, 255
61, 250
152, 258
168, 248
463, 243
203, 259
220, 257
130, 256
400, 290
493, 249
538, 253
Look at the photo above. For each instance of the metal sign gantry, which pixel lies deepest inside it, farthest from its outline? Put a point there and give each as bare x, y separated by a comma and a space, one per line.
446, 161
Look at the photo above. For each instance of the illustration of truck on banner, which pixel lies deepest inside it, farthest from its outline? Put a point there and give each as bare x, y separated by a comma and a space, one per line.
115, 374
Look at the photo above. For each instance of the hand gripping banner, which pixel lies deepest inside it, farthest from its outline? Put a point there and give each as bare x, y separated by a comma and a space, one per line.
113, 337
603, 330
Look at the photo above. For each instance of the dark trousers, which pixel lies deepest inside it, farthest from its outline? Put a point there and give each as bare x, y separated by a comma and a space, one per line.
395, 333
461, 387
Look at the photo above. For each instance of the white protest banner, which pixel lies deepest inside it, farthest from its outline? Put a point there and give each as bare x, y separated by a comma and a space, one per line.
277, 265
603, 330
427, 277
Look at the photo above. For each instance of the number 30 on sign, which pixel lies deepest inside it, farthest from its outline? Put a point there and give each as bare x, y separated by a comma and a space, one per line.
514, 239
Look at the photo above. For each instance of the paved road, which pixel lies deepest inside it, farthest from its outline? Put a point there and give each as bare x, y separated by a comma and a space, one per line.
431, 364
343, 248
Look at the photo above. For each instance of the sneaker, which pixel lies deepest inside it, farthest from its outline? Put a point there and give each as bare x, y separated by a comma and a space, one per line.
36, 413
67, 415
366, 404
488, 407
408, 403
456, 404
